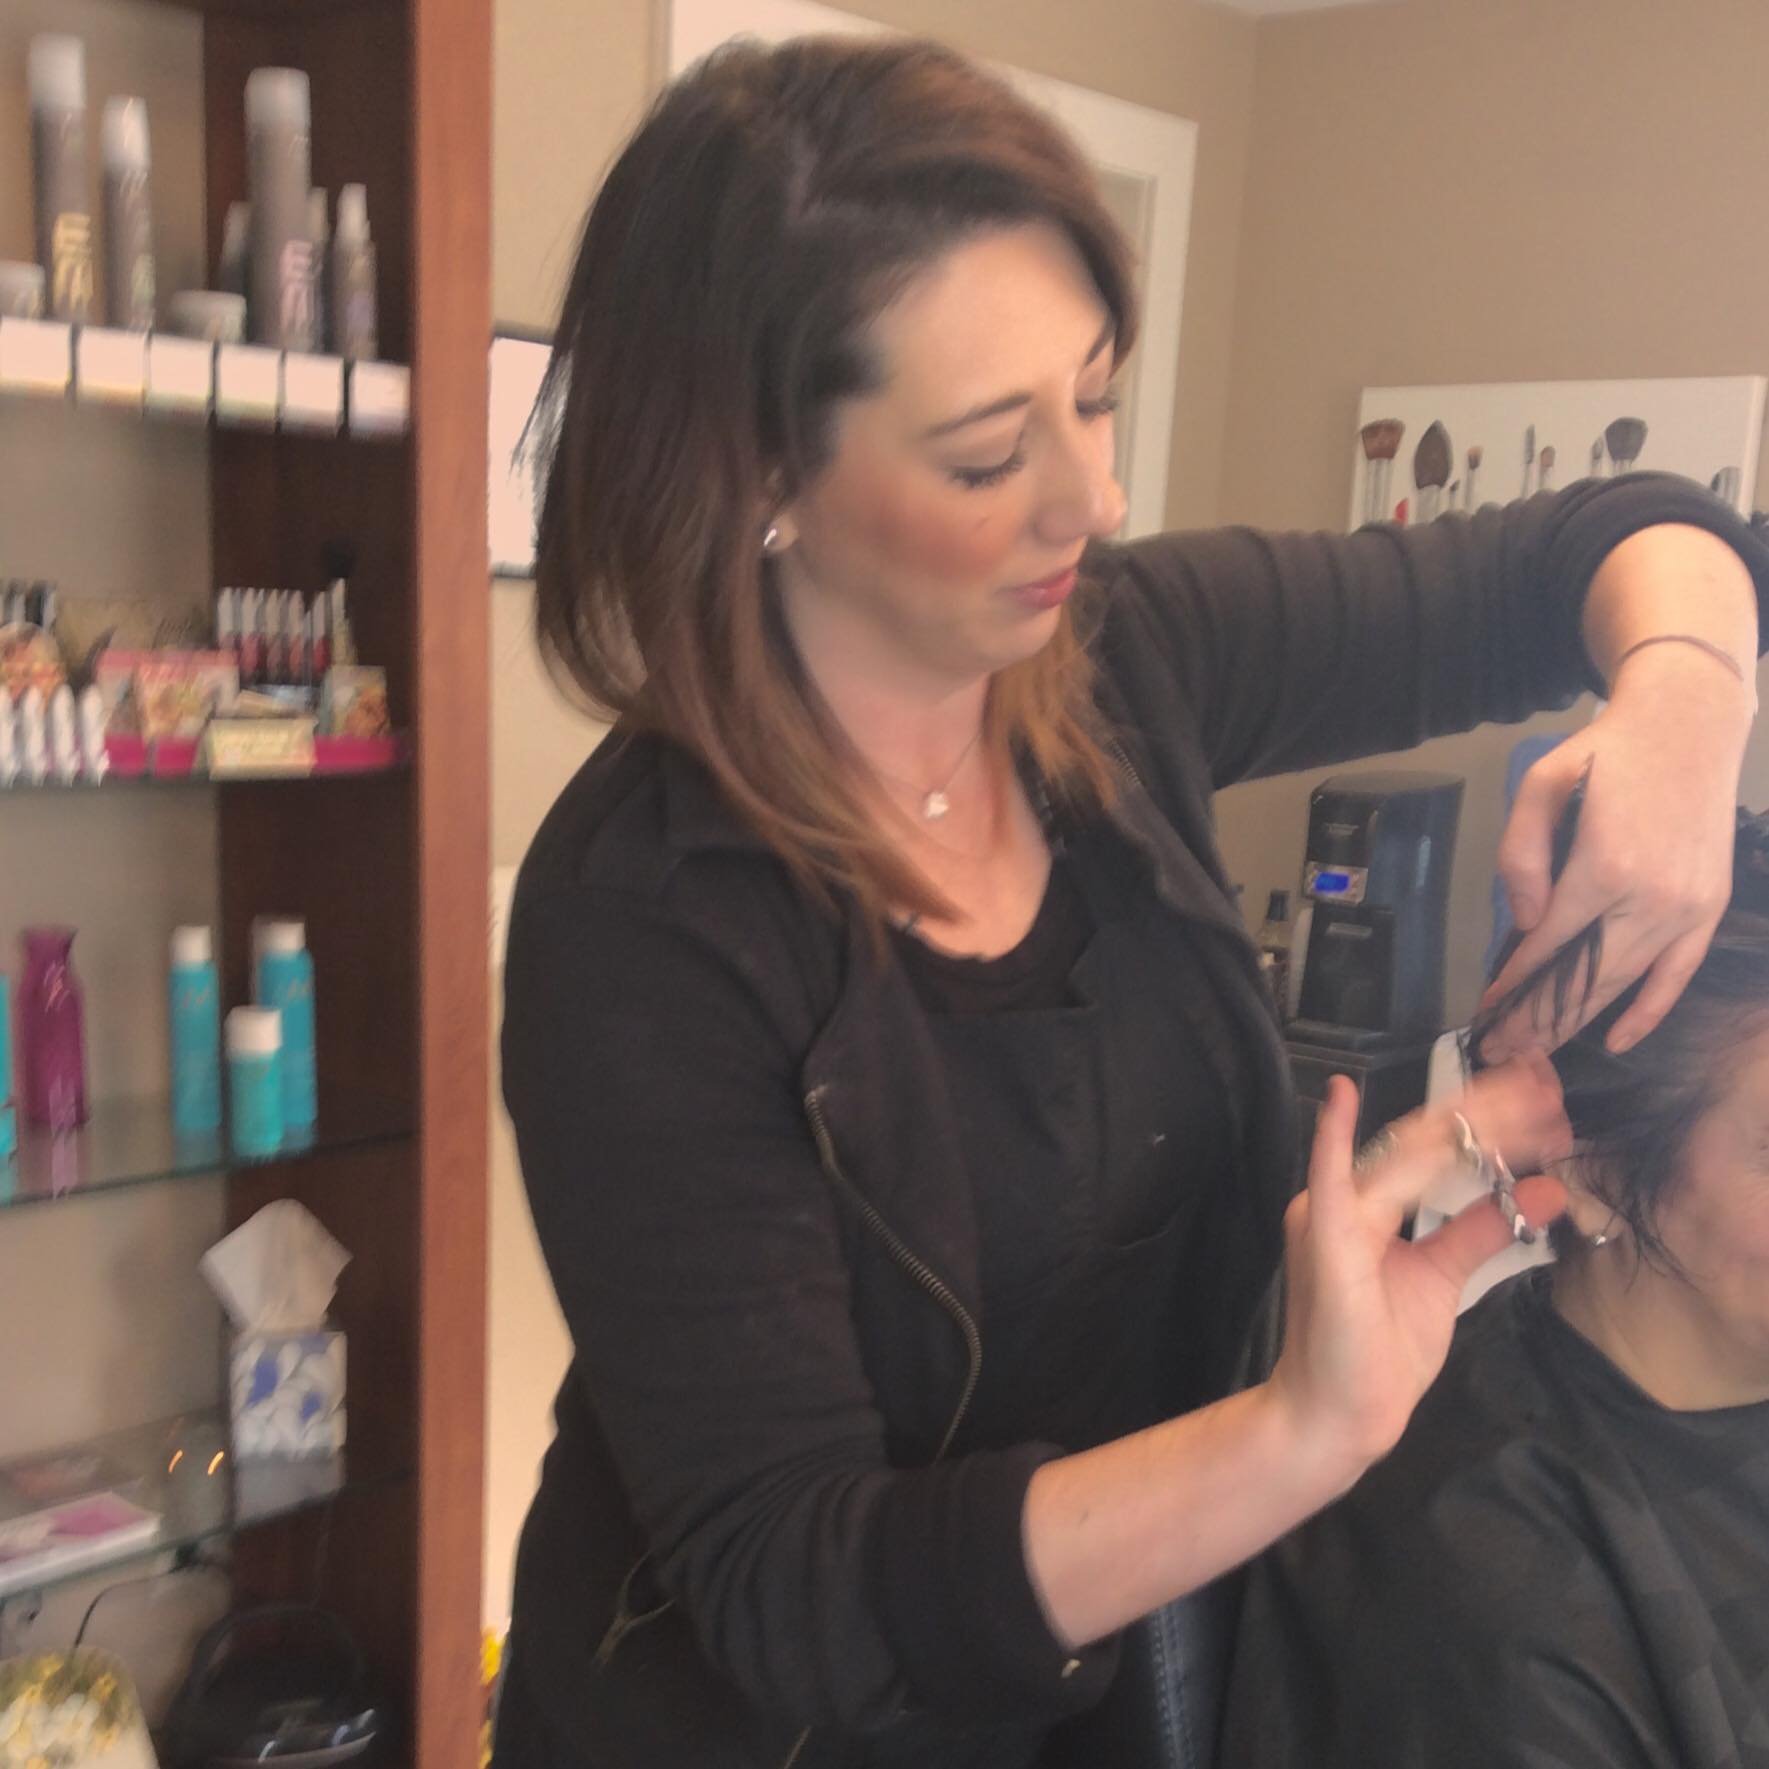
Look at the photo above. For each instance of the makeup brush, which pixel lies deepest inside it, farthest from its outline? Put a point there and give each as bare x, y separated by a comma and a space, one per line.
1475, 456
1431, 469
1545, 469
1381, 440
1626, 437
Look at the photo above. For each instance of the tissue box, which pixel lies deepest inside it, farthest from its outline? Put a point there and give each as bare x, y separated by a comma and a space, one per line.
287, 1395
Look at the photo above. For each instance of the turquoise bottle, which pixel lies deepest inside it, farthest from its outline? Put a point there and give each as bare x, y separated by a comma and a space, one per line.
8, 1117
285, 982
255, 1081
196, 1034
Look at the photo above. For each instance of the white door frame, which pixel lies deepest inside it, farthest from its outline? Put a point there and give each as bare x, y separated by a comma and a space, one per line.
1147, 145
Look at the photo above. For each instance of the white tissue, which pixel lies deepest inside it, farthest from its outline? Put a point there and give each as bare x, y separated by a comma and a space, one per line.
278, 1271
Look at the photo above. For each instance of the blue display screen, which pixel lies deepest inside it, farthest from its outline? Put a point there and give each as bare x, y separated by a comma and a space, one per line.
1331, 884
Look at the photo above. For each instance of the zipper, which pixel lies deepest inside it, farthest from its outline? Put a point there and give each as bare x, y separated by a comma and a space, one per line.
914, 1266
1123, 760
920, 1273
623, 1624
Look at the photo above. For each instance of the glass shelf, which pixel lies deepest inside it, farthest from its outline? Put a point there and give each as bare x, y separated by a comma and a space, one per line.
182, 1470
131, 1142
112, 784
234, 386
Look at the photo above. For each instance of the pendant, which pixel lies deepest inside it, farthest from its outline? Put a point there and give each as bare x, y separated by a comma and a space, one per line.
935, 806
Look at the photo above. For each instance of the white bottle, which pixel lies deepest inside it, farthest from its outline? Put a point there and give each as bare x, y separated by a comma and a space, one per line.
8, 757
128, 217
64, 735
33, 737
94, 757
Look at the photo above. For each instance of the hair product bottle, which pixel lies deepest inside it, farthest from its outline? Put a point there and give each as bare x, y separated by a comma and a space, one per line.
195, 1004
52, 1032
128, 217
255, 1080
285, 982
319, 248
353, 304
1274, 947
58, 141
279, 160
21, 290
232, 271
8, 1118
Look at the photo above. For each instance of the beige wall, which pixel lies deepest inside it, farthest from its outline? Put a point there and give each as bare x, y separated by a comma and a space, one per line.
572, 77
1481, 190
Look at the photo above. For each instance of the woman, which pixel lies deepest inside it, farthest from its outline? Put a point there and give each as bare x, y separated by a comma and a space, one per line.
1566, 1561
905, 1123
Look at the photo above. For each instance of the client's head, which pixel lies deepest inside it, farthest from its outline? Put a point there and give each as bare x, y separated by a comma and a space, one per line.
1670, 1172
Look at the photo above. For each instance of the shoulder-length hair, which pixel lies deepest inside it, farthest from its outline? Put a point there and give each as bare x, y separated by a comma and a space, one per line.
768, 208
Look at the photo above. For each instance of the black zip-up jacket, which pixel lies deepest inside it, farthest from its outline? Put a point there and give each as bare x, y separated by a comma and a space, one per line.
750, 1192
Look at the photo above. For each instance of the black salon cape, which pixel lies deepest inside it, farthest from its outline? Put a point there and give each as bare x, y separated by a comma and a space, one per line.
1550, 1570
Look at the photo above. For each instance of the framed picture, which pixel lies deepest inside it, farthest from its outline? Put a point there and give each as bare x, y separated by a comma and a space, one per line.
518, 365
1423, 450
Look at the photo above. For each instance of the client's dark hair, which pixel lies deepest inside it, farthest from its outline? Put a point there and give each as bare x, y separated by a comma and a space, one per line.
1632, 1114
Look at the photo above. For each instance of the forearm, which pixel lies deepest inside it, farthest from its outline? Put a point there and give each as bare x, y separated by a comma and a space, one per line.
1116, 1532
1671, 579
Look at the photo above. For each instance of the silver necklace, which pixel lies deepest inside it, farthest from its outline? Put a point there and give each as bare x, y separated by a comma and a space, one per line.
936, 801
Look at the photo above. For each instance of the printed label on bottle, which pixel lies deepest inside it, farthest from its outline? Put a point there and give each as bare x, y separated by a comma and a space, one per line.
70, 248
295, 284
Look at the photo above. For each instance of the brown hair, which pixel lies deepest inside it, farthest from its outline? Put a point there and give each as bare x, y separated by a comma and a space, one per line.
770, 205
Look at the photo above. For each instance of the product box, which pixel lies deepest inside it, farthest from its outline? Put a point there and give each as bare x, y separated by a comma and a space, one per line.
287, 1395
178, 692
353, 702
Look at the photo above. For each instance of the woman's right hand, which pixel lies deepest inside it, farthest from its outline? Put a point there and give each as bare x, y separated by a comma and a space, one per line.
1369, 1315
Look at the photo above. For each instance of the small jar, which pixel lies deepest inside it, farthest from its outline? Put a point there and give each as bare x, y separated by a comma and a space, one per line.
255, 1080
21, 290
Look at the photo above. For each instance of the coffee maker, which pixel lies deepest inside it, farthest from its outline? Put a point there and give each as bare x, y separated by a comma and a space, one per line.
1377, 874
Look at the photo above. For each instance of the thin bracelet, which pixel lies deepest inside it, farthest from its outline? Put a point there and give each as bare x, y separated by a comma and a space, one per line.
1719, 653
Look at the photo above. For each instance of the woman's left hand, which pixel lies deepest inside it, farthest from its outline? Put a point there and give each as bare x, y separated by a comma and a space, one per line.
1652, 857
1369, 1316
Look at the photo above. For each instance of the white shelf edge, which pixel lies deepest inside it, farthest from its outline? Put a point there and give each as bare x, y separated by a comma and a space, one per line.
185, 380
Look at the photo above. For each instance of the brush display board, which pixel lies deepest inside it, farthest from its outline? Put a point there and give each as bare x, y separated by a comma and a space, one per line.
1707, 429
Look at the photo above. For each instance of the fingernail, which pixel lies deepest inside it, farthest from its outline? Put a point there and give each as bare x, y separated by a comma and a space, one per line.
1620, 1043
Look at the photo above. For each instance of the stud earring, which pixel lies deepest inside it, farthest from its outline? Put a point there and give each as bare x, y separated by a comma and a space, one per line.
771, 539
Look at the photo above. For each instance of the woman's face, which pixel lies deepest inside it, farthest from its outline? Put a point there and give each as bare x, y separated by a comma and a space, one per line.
939, 543
1715, 1219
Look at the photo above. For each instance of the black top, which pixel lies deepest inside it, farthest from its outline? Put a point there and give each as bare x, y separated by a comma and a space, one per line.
1551, 1569
1085, 1068
766, 1225
1034, 975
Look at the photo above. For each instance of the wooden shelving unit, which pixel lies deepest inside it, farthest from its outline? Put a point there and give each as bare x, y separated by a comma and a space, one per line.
390, 870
